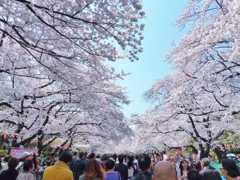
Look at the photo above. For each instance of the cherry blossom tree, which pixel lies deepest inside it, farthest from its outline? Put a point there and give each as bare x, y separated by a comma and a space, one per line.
58, 109
54, 79
200, 99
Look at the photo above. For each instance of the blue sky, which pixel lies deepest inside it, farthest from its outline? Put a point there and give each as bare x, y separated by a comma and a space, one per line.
159, 34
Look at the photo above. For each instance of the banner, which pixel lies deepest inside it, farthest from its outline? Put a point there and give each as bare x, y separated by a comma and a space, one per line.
17, 152
198, 155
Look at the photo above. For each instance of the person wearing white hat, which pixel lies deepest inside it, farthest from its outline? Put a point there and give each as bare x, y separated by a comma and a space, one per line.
25, 156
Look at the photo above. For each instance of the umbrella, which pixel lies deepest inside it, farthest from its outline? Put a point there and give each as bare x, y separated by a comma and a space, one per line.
231, 155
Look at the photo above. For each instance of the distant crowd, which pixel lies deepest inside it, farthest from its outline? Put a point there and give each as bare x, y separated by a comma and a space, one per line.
83, 166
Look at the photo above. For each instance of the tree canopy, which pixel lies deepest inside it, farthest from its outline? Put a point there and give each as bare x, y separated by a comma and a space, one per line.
55, 82
199, 100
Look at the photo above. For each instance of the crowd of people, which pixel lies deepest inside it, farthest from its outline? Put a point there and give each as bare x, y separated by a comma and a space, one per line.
83, 166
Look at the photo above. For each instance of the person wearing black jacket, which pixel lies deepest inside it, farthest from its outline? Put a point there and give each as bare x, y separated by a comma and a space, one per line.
122, 168
79, 166
144, 163
11, 173
208, 172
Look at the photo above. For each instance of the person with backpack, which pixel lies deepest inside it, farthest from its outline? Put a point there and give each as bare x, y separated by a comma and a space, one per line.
79, 166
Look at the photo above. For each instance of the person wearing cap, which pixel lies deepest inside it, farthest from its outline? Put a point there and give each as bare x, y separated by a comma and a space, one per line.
208, 172
25, 156
60, 170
